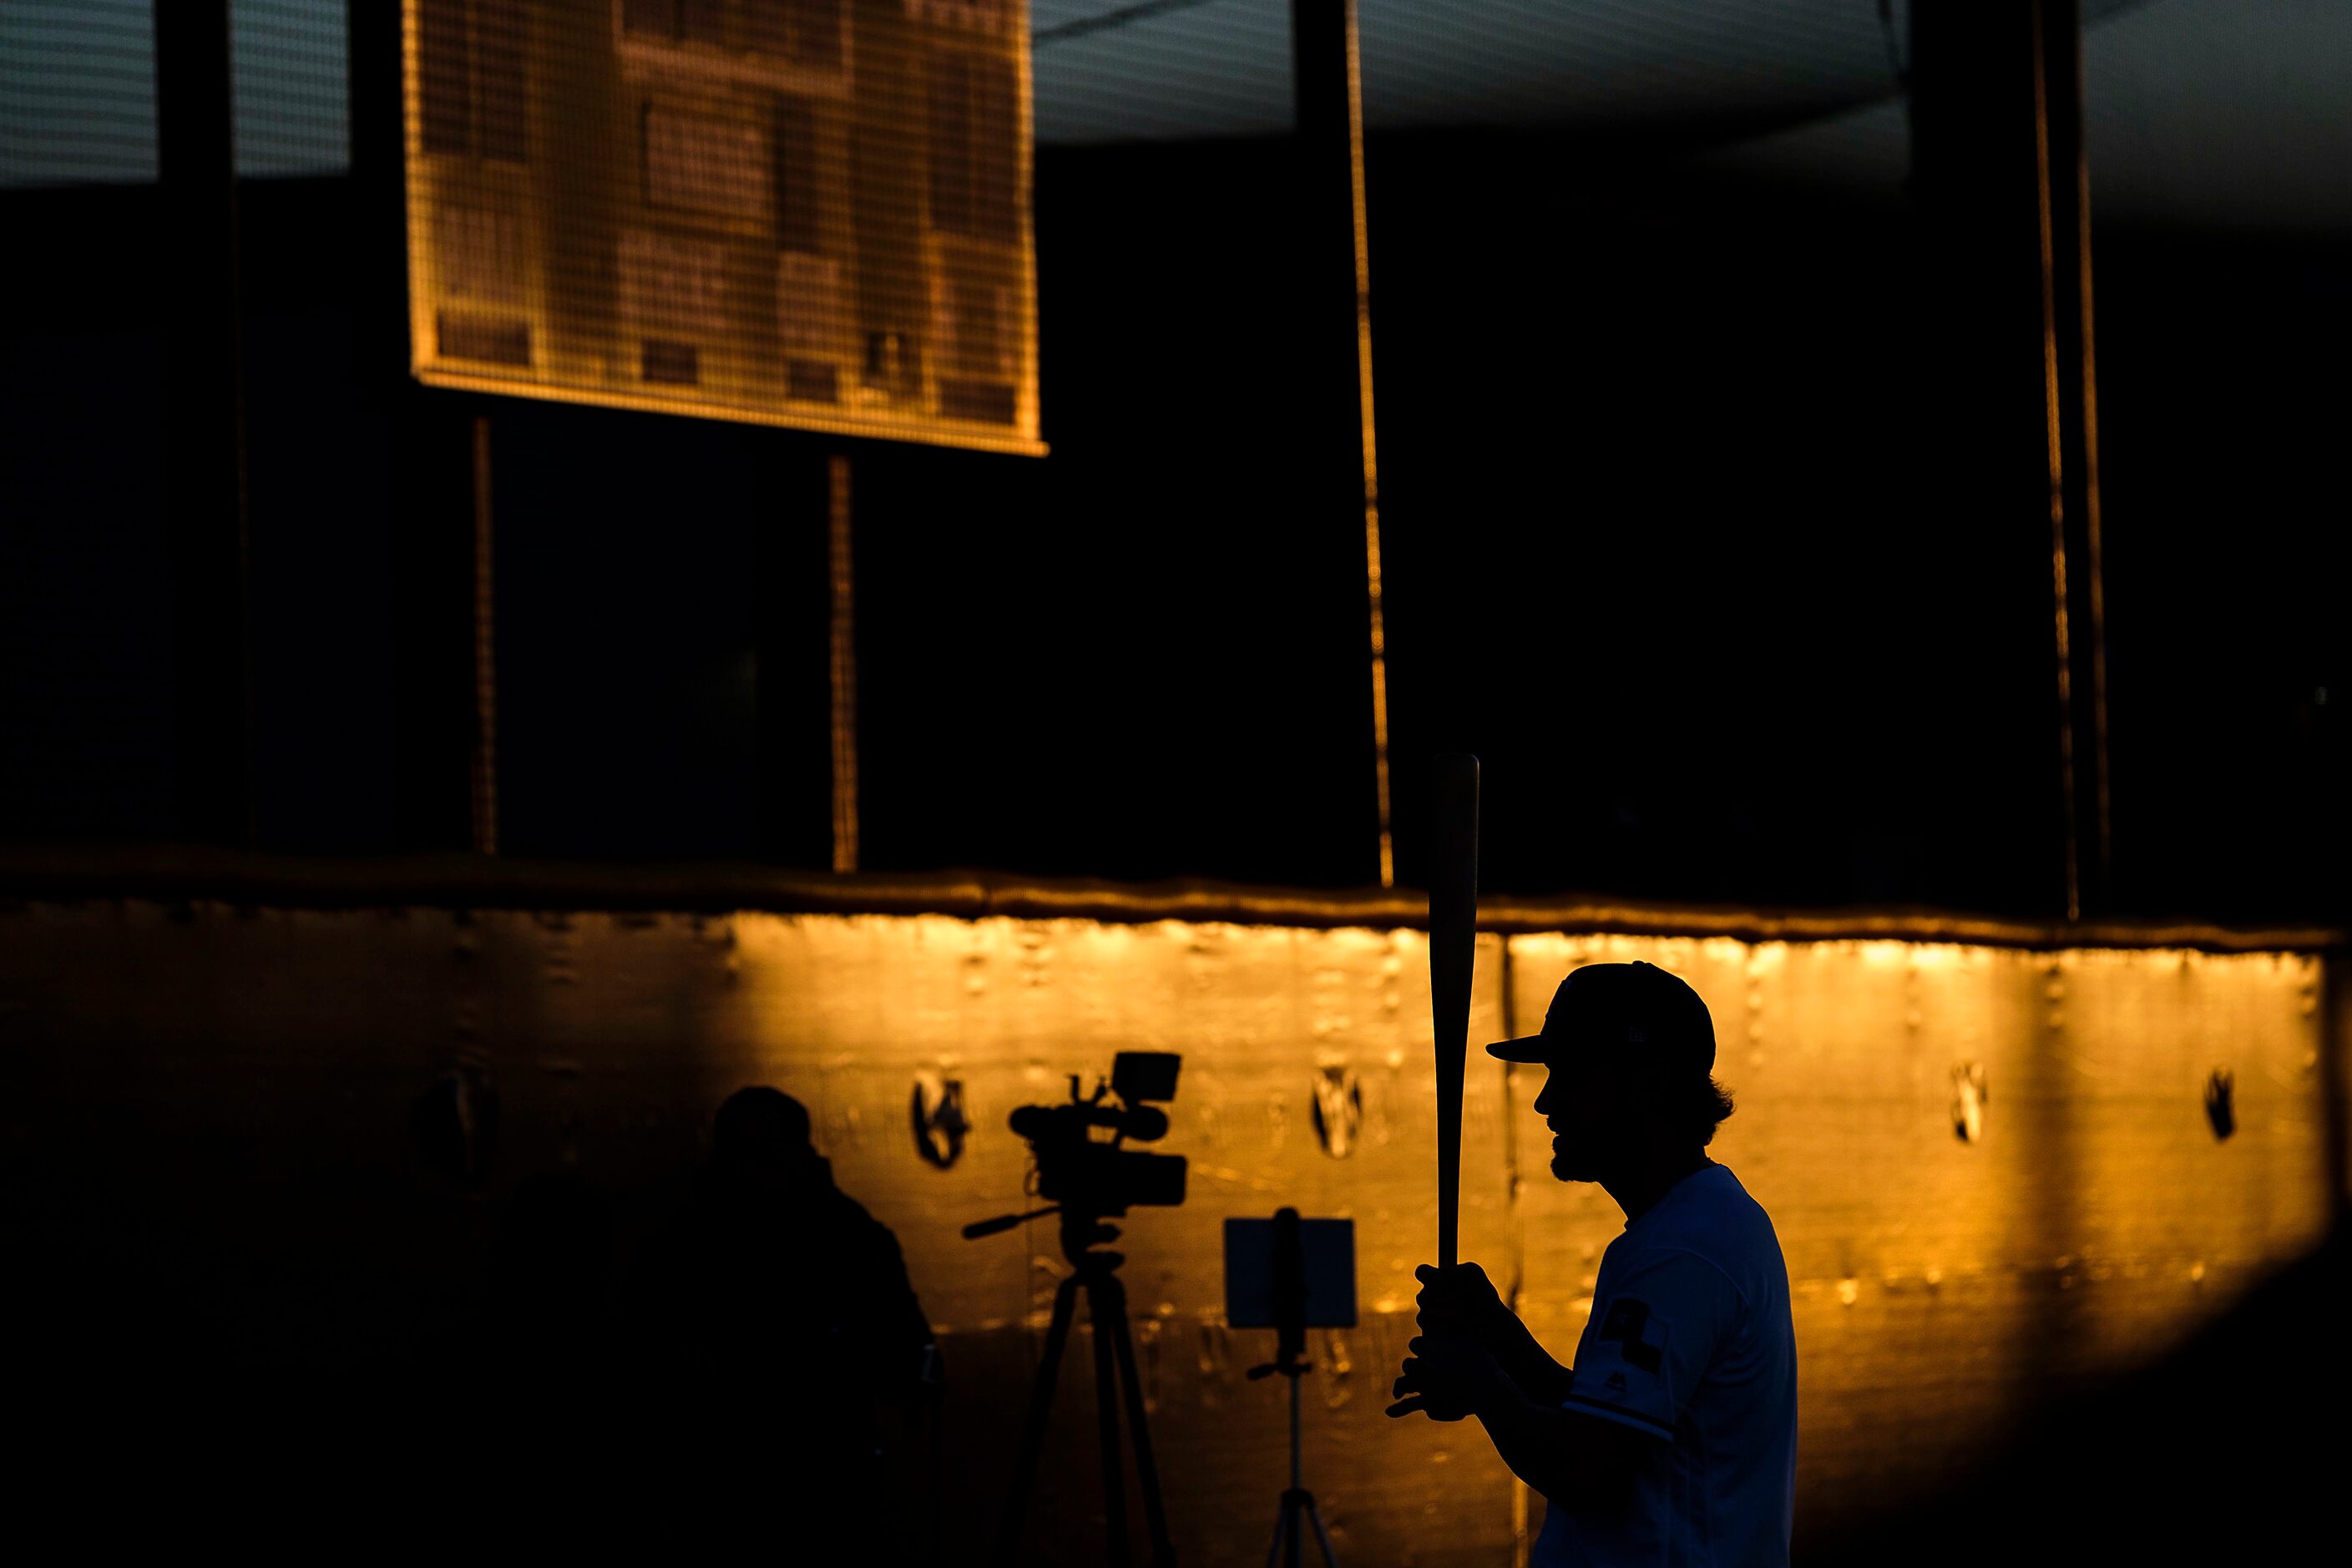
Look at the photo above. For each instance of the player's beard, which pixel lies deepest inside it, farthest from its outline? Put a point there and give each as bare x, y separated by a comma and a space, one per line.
1571, 1163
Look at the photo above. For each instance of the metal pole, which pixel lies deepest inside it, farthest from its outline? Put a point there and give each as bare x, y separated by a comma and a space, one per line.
1327, 79
2071, 391
1294, 1433
1999, 169
1294, 1542
2068, 180
841, 644
442, 713
485, 769
204, 419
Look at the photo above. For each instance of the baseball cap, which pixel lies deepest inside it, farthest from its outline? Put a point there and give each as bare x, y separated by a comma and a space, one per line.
1606, 1006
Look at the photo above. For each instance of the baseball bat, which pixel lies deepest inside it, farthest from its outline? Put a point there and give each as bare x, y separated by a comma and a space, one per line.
1452, 949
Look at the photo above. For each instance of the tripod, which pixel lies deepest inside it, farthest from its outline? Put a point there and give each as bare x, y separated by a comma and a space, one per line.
1095, 1273
1290, 1361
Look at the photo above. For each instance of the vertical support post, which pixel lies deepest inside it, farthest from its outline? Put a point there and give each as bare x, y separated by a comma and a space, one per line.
803, 643
485, 769
205, 420
842, 657
443, 785
2070, 400
1998, 172
2334, 1001
1327, 79
379, 140
1984, 155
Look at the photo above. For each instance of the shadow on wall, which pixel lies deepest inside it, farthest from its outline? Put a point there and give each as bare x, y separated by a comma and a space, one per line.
2225, 1451
734, 1349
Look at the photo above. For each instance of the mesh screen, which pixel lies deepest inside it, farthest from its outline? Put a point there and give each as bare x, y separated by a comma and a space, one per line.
77, 92
812, 212
293, 87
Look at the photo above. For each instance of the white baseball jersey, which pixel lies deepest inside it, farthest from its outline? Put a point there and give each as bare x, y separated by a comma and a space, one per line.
1690, 1341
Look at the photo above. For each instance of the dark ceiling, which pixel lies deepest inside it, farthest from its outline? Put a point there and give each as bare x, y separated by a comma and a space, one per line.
2201, 111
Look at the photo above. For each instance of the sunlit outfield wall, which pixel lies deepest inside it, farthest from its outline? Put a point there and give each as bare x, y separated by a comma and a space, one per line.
1944, 1285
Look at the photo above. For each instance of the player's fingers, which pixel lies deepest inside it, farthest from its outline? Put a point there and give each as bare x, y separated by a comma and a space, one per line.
1405, 1406
1404, 1385
1426, 1273
1415, 1345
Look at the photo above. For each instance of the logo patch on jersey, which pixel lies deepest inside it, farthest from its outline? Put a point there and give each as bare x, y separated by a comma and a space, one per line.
1627, 1320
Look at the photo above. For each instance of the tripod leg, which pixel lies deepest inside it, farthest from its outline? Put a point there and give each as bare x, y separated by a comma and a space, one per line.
1033, 1430
1102, 1299
1286, 1525
1147, 1466
1315, 1515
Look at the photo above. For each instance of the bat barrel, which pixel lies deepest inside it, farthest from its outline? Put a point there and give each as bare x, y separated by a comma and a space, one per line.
1452, 954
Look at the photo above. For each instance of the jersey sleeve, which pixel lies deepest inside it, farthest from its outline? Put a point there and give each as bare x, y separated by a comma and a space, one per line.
1650, 1339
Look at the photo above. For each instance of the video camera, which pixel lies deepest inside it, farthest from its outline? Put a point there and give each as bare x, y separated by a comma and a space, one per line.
1084, 1175
1087, 1177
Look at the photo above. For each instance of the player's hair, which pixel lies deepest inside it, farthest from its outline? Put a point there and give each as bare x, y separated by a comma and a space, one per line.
1709, 1106
1691, 1108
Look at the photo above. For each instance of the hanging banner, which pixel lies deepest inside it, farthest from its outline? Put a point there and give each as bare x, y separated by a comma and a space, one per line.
808, 212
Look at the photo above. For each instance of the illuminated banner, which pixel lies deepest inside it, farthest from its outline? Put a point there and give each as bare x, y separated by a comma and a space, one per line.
812, 212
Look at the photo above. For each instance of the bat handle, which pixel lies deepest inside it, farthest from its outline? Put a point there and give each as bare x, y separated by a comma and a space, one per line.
1449, 1172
